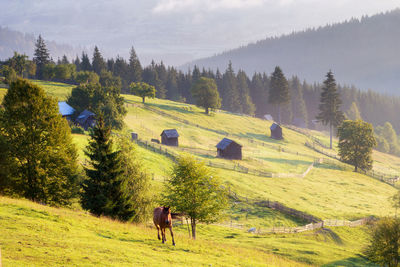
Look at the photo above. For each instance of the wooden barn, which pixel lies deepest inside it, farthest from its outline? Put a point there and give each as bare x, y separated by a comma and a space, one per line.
86, 119
276, 131
65, 110
170, 137
229, 149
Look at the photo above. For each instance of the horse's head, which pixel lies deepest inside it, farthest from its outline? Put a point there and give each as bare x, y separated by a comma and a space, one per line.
167, 215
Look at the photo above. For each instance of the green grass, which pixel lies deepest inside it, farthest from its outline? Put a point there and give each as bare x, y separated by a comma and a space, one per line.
59, 90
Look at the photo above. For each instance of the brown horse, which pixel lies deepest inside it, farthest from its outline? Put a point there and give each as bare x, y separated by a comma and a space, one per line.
162, 219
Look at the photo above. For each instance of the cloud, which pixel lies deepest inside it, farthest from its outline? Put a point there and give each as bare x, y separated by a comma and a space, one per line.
171, 6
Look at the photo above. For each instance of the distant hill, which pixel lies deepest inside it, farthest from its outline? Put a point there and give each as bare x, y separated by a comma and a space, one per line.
11, 41
364, 53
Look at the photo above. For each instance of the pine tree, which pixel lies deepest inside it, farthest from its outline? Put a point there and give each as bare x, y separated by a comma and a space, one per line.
64, 60
230, 92
329, 106
135, 67
247, 106
98, 62
172, 84
101, 190
279, 91
161, 82
298, 105
258, 94
43, 158
85, 63
77, 63
41, 56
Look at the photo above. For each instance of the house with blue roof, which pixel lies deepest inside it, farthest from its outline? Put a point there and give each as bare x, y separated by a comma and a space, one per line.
229, 149
65, 110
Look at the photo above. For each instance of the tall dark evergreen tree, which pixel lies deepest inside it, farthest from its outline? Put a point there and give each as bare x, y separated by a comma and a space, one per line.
279, 91
85, 63
246, 105
135, 67
172, 84
77, 63
102, 194
41, 56
298, 105
162, 80
98, 62
230, 92
329, 106
258, 95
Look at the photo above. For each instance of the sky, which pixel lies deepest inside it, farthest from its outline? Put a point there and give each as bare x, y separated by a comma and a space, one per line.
176, 31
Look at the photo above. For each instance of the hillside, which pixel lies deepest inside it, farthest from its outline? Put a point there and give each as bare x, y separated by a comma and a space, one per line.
330, 190
360, 52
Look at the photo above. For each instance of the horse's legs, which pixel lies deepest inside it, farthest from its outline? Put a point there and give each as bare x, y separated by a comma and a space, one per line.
158, 231
172, 235
163, 235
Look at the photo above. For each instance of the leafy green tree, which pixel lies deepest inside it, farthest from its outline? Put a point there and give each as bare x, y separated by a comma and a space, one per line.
9, 74
329, 106
143, 90
18, 62
395, 201
135, 183
354, 113
100, 100
41, 56
43, 158
87, 77
206, 94
384, 244
108, 80
247, 106
30, 68
98, 63
193, 190
356, 140
279, 90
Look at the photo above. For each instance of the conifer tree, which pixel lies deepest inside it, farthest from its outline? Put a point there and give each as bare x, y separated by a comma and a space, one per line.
247, 106
230, 92
258, 94
298, 105
172, 84
77, 63
135, 67
98, 62
162, 80
41, 56
101, 190
42, 156
329, 106
279, 91
85, 63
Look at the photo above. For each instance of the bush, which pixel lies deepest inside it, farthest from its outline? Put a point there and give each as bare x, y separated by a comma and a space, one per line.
77, 130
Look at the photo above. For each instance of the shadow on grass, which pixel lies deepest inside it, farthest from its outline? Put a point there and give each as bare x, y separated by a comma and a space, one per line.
350, 262
329, 167
171, 108
263, 137
293, 162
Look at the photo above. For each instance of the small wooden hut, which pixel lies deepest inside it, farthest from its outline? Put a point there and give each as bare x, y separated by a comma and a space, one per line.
65, 110
229, 149
276, 131
170, 137
86, 119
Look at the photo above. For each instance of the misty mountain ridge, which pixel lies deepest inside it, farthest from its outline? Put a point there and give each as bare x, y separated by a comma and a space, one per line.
362, 52
24, 43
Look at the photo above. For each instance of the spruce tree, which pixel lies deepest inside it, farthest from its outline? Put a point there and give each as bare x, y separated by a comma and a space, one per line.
298, 105
279, 91
258, 94
85, 63
230, 92
98, 62
101, 190
172, 84
42, 156
247, 106
329, 106
41, 56
135, 67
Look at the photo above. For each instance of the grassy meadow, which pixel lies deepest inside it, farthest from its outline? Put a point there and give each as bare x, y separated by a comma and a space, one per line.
50, 236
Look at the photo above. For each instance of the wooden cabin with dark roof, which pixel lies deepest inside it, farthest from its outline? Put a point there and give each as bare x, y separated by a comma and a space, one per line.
229, 149
276, 131
86, 119
170, 137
